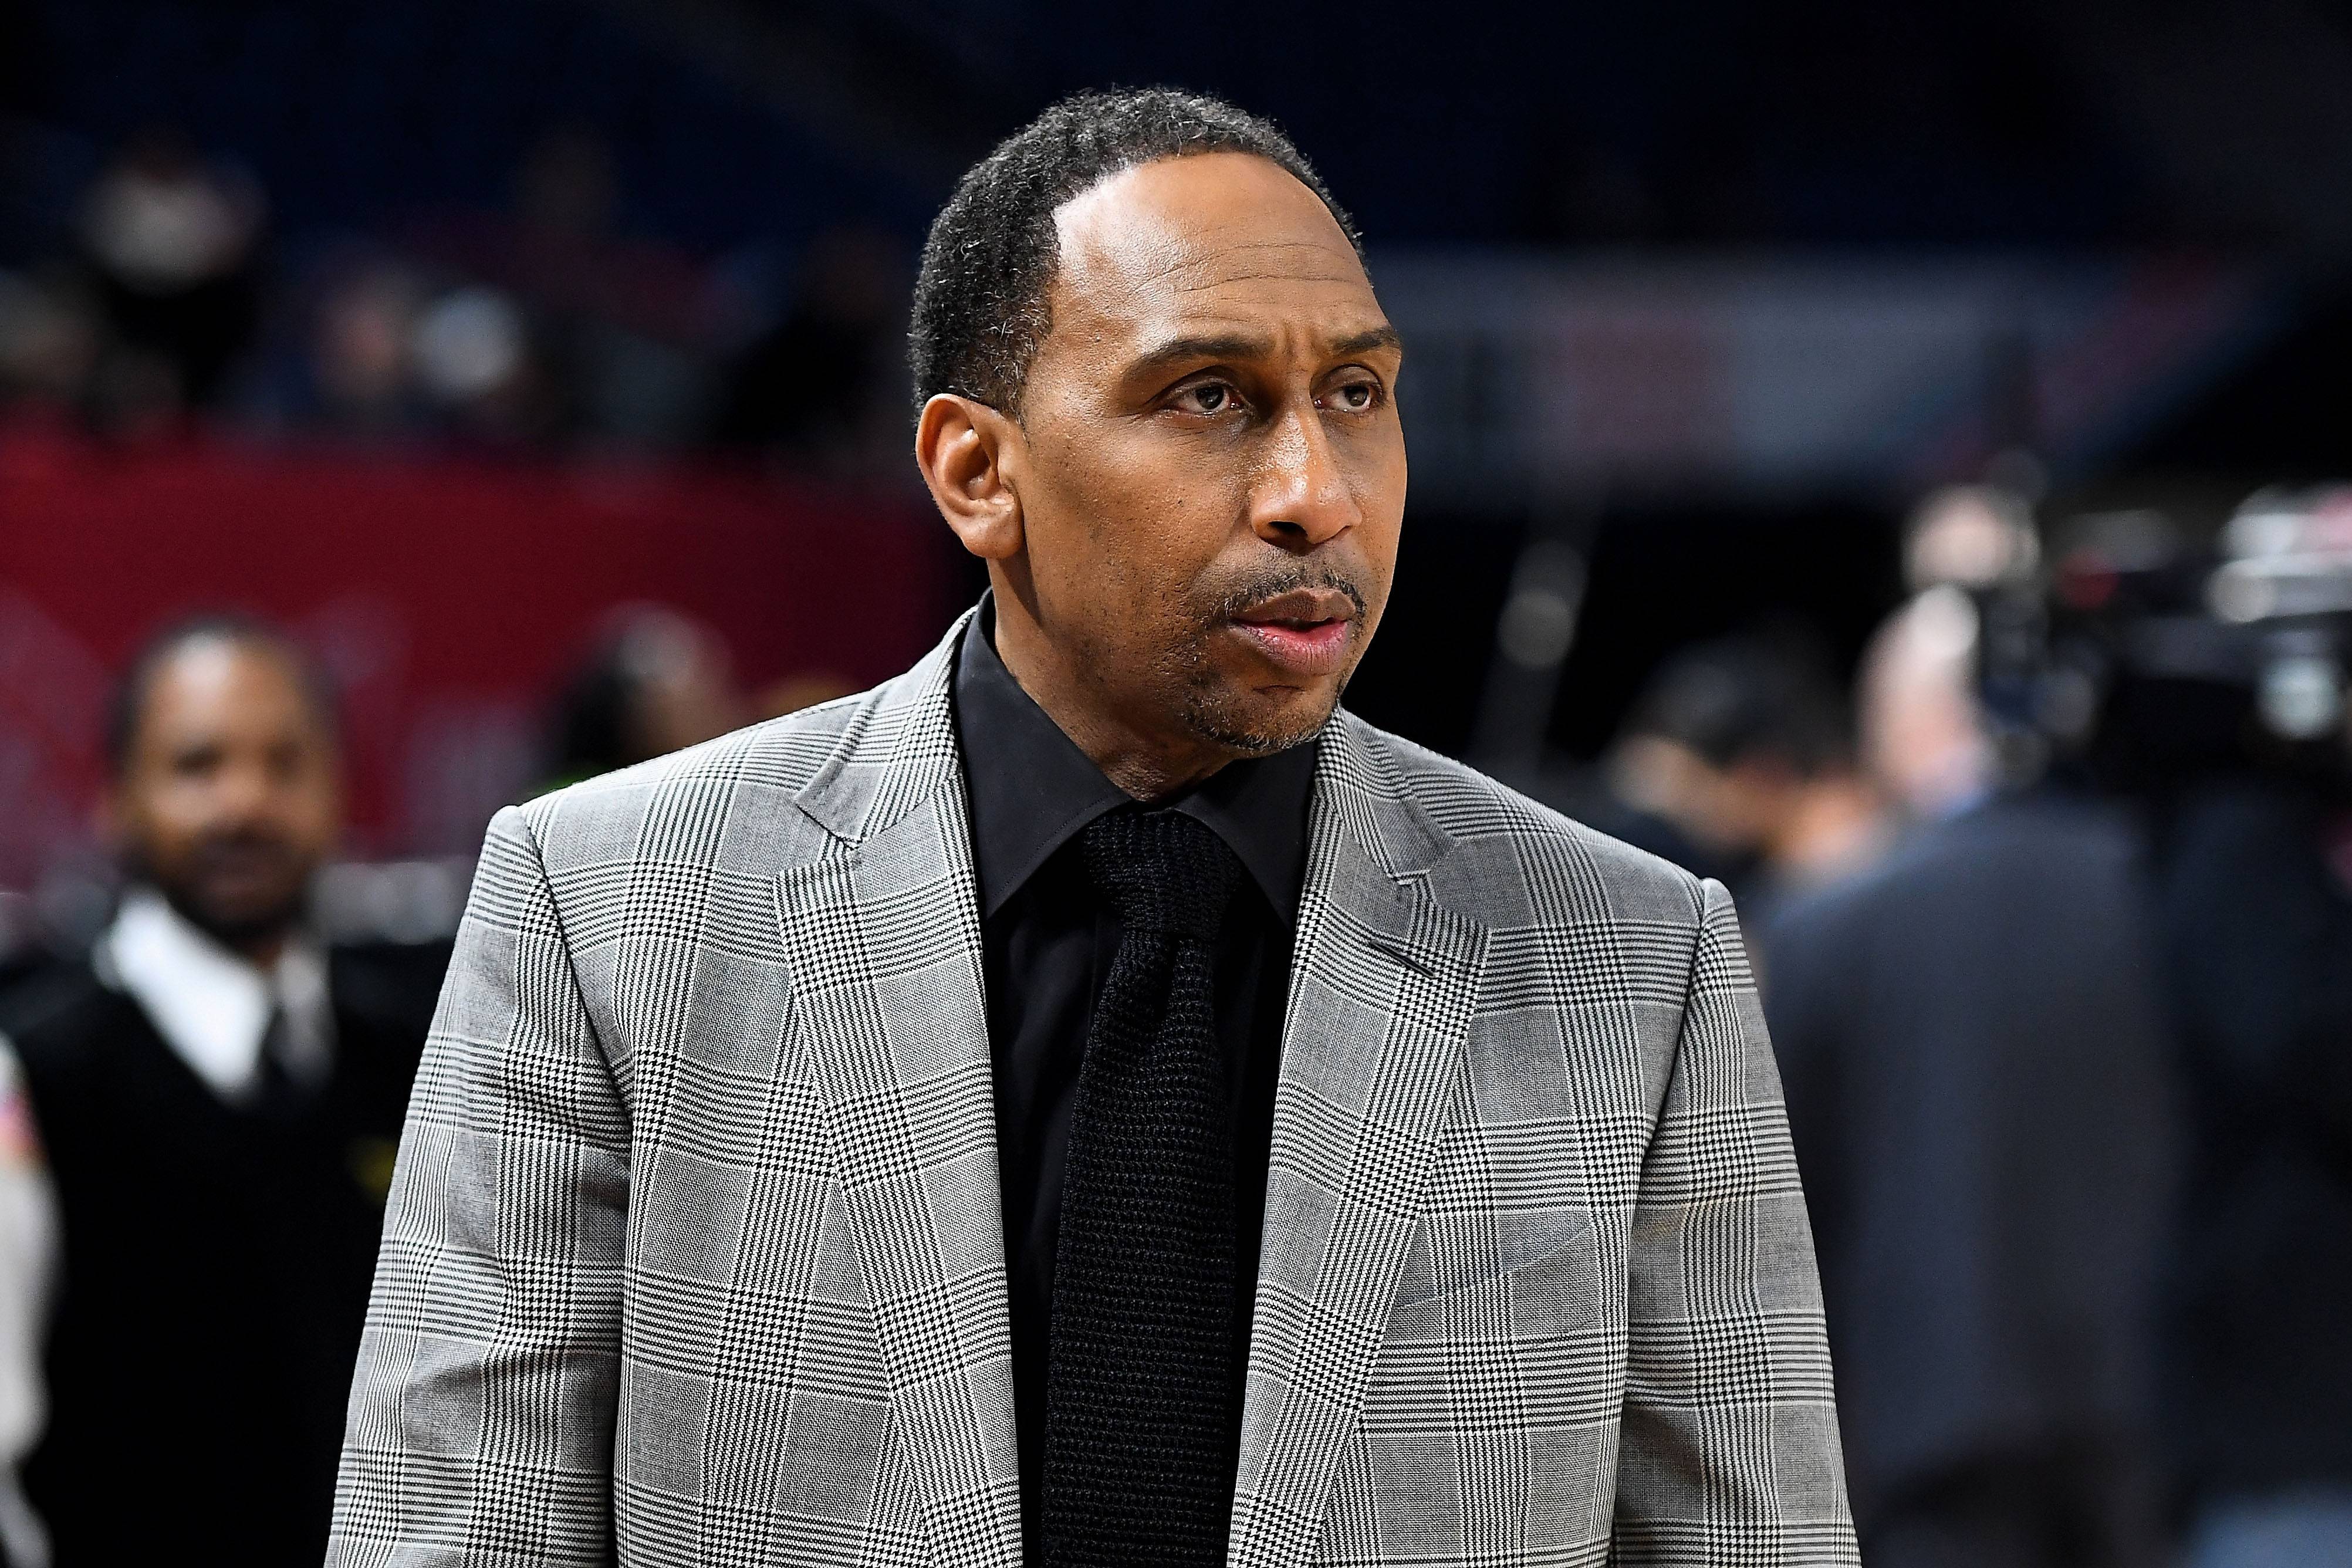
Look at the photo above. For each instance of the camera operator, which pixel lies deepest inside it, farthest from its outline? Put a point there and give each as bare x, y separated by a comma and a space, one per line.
2257, 930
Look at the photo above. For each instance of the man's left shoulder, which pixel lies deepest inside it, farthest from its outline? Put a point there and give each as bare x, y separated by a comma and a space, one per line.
1513, 861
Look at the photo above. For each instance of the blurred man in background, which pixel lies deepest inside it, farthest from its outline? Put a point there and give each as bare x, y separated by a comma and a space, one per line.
218, 1095
1922, 737
1968, 1034
654, 681
1744, 750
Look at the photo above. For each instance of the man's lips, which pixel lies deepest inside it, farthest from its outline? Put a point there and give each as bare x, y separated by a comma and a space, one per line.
1304, 631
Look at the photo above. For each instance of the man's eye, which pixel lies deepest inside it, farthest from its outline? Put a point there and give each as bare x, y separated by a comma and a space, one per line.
1356, 396
1209, 397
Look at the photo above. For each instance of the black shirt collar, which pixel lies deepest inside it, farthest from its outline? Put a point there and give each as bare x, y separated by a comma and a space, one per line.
1032, 790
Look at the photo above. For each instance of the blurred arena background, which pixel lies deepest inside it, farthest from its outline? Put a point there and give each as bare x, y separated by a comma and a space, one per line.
437, 330
515, 354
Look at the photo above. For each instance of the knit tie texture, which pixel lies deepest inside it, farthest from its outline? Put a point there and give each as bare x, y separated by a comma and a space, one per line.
1139, 1391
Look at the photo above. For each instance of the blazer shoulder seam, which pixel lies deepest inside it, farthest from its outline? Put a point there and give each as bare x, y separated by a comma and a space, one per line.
530, 839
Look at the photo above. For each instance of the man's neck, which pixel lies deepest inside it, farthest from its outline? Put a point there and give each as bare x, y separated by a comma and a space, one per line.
1836, 825
1147, 763
261, 950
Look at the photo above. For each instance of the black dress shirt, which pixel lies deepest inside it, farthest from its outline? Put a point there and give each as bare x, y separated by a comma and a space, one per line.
1047, 941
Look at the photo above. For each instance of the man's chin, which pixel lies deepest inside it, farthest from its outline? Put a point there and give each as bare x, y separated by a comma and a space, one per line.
240, 924
1257, 725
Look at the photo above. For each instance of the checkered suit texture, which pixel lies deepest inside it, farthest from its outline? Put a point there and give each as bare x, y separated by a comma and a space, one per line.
695, 1251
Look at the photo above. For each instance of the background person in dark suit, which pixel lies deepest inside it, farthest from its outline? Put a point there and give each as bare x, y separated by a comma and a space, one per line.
217, 1094
1971, 1036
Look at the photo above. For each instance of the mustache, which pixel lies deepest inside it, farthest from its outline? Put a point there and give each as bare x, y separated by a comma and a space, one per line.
1260, 586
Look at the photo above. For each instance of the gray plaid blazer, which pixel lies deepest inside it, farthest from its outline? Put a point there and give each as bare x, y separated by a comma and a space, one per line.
695, 1254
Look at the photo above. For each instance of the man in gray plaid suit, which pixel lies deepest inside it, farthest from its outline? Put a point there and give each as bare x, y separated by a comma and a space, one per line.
1090, 1099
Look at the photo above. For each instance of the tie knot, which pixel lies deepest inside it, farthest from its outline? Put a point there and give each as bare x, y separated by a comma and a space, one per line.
1162, 870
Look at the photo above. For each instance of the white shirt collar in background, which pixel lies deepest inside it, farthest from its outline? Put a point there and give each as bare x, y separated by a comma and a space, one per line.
212, 1006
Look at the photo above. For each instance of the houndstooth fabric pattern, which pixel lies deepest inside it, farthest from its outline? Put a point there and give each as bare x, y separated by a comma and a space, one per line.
695, 1251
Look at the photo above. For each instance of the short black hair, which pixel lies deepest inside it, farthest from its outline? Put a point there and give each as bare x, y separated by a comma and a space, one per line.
1748, 698
981, 298
129, 707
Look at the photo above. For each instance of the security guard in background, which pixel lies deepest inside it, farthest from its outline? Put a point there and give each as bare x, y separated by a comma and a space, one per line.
216, 1093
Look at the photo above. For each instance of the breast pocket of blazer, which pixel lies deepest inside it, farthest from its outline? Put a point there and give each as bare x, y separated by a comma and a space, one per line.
1554, 1293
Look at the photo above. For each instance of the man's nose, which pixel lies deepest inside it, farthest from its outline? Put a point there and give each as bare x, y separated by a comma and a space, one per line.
1302, 500
246, 794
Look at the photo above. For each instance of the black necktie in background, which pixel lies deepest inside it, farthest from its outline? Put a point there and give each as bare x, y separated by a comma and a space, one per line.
278, 1095
1138, 1389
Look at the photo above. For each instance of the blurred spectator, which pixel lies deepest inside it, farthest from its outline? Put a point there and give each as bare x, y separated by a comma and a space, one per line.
1971, 1043
50, 342
1743, 748
573, 328
174, 245
475, 360
360, 350
388, 352
655, 681
826, 385
2258, 943
218, 1096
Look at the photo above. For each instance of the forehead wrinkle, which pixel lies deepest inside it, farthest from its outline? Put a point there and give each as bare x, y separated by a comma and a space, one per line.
1246, 271
1233, 277
1166, 248
1140, 310
1231, 254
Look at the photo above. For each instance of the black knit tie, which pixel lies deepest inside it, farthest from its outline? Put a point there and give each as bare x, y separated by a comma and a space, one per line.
1139, 1386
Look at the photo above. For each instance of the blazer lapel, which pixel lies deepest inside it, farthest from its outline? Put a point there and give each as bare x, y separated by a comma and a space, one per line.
882, 935
1381, 992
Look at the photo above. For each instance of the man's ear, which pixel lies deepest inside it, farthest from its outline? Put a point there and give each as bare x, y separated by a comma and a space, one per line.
970, 456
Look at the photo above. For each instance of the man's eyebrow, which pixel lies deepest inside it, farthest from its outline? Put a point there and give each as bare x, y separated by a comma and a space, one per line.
1238, 346
1182, 351
1381, 337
